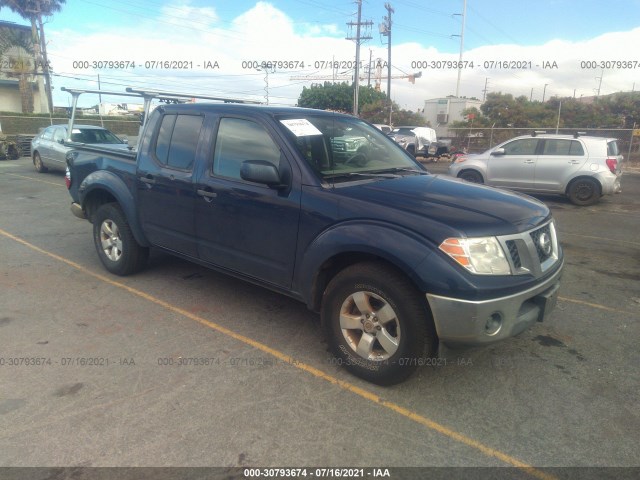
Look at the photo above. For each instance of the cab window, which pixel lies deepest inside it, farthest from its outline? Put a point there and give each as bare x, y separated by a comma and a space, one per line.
178, 140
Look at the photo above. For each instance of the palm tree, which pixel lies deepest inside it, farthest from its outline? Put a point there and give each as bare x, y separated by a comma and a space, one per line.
34, 10
16, 47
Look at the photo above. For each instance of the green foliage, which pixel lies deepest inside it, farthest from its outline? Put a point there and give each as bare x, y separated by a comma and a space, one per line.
500, 110
372, 103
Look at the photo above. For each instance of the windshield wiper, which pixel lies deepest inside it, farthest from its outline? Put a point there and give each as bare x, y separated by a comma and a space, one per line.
404, 169
362, 174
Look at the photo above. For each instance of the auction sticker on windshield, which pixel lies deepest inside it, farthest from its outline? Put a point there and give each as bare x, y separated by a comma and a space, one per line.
301, 127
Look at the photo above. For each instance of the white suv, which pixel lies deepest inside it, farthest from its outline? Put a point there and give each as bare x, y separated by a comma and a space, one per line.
581, 167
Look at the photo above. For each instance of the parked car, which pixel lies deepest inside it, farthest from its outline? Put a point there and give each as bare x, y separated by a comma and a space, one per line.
418, 141
393, 258
583, 168
383, 128
48, 148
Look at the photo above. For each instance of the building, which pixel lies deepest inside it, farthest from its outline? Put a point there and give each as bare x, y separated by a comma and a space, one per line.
18, 84
442, 112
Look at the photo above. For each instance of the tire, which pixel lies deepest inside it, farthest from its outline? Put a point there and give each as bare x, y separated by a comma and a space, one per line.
117, 248
471, 176
381, 350
37, 162
584, 191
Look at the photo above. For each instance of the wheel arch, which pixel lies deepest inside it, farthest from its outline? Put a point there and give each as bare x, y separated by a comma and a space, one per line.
103, 187
341, 247
474, 170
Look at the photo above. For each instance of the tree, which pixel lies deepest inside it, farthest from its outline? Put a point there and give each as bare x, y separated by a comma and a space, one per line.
34, 10
16, 48
336, 96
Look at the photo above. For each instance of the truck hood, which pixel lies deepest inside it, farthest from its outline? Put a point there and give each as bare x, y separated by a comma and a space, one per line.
466, 208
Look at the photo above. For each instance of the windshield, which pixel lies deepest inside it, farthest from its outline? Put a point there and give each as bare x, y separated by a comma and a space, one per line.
93, 135
339, 146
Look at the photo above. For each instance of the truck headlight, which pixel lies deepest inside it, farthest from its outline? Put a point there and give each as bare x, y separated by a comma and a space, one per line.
482, 256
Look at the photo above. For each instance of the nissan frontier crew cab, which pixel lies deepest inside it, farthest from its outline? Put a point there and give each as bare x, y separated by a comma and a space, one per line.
394, 259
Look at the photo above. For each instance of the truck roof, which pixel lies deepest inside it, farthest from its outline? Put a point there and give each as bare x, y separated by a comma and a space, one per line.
243, 108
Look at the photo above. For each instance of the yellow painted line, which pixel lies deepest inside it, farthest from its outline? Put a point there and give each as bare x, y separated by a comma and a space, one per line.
36, 179
416, 417
596, 305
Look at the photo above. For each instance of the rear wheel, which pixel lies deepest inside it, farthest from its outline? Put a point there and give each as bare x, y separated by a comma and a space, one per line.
37, 162
471, 176
117, 248
377, 323
584, 191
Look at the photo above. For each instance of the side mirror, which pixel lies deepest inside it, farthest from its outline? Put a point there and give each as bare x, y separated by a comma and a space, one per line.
125, 139
61, 141
498, 151
261, 171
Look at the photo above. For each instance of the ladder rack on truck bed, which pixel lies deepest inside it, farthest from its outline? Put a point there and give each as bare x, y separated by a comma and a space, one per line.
148, 96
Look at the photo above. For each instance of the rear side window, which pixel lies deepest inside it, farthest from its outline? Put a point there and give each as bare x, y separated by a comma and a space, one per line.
525, 146
239, 140
177, 140
562, 147
612, 148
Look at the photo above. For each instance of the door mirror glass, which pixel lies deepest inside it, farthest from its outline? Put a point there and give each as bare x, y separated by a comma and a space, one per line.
498, 152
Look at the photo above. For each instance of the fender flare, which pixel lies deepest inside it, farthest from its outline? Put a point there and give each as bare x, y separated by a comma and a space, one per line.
399, 247
105, 181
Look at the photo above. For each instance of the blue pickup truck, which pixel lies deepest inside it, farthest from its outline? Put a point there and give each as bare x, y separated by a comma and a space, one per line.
325, 208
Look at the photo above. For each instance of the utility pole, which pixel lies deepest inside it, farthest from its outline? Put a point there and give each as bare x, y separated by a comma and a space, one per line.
387, 33
544, 91
484, 92
369, 75
600, 83
531, 95
464, 16
358, 39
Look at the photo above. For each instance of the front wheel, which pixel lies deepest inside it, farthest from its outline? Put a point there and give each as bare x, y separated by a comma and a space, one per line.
377, 323
117, 248
37, 163
471, 176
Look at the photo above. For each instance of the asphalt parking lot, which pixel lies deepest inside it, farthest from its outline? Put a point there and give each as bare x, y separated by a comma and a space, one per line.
181, 366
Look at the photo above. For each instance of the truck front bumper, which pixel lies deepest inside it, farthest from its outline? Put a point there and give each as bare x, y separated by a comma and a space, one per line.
465, 322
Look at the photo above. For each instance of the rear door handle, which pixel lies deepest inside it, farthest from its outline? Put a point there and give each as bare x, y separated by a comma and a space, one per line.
149, 180
529, 161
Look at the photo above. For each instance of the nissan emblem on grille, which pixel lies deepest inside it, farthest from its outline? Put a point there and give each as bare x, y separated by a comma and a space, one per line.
544, 240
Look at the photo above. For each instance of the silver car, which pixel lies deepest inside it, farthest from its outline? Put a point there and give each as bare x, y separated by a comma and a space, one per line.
49, 151
581, 167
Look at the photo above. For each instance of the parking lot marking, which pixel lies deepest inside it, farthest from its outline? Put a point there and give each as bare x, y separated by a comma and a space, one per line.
595, 305
35, 179
409, 414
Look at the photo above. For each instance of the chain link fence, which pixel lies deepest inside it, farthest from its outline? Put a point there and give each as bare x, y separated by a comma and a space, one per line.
477, 140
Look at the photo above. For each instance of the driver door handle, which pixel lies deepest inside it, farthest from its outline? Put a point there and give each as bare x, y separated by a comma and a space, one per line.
208, 195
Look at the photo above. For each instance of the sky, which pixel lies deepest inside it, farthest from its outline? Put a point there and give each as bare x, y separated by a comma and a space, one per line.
538, 49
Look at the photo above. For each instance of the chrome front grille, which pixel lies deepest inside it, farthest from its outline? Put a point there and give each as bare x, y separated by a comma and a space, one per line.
531, 252
542, 240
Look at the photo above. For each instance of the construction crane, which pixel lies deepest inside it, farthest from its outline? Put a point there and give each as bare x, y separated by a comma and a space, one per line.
378, 77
